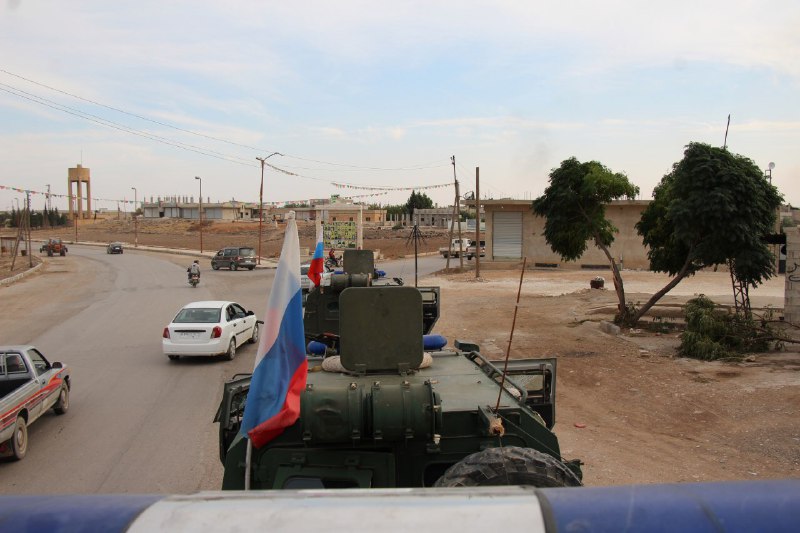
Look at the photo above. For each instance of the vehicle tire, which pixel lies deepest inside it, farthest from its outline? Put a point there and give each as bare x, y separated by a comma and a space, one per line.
231, 354
234, 266
254, 338
62, 405
174, 357
19, 440
49, 253
214, 266
62, 253
509, 465
251, 268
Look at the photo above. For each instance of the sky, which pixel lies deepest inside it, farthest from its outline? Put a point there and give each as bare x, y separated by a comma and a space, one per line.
370, 99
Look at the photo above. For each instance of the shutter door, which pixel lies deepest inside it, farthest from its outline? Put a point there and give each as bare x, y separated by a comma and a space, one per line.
507, 235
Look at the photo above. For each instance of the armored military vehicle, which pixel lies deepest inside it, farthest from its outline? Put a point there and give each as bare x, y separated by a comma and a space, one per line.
384, 407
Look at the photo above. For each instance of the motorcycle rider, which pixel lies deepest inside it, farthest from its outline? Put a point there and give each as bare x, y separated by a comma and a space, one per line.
332, 257
194, 269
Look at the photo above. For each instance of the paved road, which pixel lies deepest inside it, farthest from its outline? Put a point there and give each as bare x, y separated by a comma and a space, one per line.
137, 422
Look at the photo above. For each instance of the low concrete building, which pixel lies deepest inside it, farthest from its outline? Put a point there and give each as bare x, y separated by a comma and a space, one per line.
186, 208
513, 231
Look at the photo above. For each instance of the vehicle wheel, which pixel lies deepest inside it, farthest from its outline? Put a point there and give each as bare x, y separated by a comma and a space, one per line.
19, 440
62, 405
254, 338
174, 357
251, 268
231, 355
510, 465
234, 266
63, 253
49, 253
214, 266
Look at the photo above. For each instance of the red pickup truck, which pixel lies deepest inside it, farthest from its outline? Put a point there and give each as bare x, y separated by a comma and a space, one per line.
29, 386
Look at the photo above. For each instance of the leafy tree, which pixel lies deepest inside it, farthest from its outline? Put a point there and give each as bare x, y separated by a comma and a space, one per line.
574, 209
418, 200
713, 208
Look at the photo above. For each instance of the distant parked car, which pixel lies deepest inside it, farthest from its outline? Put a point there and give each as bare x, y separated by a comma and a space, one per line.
234, 257
209, 328
114, 248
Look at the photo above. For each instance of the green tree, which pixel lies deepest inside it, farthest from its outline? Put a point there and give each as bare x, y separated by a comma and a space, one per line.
574, 209
713, 208
418, 200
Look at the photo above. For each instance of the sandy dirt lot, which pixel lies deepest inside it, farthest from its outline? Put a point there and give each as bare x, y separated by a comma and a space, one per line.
627, 406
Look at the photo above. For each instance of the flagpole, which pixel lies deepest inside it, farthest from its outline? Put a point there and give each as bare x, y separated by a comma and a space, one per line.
247, 460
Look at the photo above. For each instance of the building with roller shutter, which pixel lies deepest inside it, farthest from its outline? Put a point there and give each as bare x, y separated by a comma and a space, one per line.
513, 231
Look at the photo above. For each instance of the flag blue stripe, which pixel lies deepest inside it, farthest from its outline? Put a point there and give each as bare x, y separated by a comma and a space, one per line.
271, 377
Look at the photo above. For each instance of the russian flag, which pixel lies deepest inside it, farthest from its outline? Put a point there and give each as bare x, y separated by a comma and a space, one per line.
273, 402
317, 260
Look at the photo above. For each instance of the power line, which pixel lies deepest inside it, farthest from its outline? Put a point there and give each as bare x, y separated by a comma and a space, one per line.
218, 139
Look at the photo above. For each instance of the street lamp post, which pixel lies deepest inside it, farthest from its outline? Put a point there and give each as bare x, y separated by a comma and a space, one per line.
135, 220
261, 201
200, 212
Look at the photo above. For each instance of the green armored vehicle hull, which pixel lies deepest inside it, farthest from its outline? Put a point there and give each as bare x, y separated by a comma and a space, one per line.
384, 412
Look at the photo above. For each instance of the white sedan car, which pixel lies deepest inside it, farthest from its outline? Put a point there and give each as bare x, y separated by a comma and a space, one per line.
209, 328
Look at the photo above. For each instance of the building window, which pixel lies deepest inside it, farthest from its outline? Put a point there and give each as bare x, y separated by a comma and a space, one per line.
351, 219
368, 219
334, 219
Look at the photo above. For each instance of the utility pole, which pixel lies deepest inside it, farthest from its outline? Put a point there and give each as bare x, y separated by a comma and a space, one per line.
261, 201
455, 214
135, 220
48, 207
28, 224
477, 222
200, 212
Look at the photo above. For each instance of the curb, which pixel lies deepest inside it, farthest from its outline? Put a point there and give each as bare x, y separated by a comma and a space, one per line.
12, 279
173, 251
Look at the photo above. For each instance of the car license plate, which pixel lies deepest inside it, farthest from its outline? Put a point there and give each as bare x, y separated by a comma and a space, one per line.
191, 335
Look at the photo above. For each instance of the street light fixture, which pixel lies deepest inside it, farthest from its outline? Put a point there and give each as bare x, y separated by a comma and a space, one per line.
769, 171
261, 201
135, 220
200, 212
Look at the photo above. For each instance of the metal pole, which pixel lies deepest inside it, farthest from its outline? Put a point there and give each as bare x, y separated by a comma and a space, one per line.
248, 457
135, 220
200, 212
28, 224
260, 214
261, 201
477, 222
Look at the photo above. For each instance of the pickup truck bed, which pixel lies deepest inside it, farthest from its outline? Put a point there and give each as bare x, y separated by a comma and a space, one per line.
29, 387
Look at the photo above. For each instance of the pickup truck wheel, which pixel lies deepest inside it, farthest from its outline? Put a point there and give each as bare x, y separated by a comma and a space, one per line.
234, 266
510, 465
19, 441
231, 354
62, 405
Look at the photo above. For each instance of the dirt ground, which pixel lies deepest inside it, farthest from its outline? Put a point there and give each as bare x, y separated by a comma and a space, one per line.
627, 406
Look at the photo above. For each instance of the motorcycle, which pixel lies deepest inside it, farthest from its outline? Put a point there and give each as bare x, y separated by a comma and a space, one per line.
194, 279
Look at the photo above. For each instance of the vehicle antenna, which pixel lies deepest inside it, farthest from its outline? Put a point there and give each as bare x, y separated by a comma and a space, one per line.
511, 336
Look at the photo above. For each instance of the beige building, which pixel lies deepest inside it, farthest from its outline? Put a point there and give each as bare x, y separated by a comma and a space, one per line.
513, 231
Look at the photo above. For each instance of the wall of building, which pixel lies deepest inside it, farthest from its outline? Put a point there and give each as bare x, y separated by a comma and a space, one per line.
627, 248
791, 298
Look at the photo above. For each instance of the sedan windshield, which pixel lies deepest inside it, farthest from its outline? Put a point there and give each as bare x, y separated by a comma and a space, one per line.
198, 315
